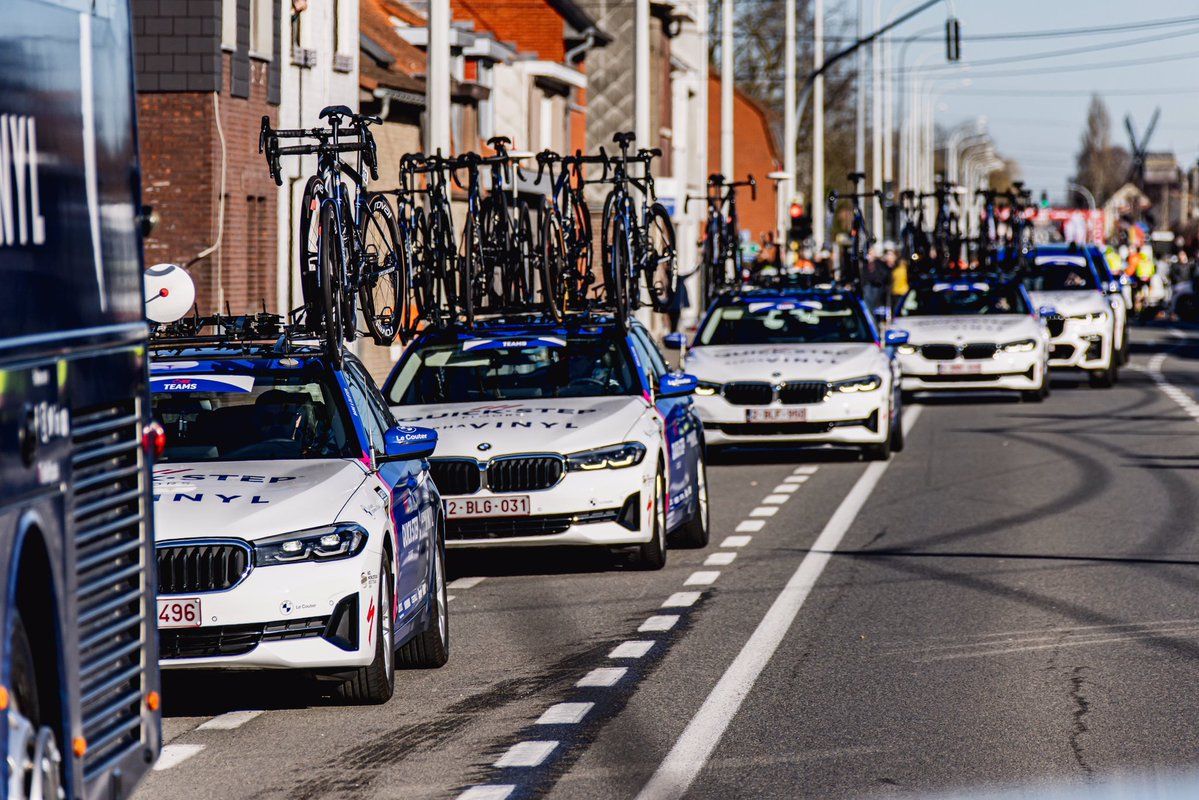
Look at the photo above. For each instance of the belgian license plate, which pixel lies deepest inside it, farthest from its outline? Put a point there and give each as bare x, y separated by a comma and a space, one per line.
776, 415
183, 613
515, 506
959, 369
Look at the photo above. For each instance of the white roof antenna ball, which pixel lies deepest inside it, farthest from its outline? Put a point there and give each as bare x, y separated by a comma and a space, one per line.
170, 293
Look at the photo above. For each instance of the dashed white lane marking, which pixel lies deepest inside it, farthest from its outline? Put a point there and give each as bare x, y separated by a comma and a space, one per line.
786, 488
602, 676
750, 525
736, 541
175, 754
526, 754
658, 622
497, 792
720, 559
229, 721
564, 714
681, 600
450, 597
796, 479
634, 649
764, 511
775, 499
806, 469
467, 583
703, 733
703, 577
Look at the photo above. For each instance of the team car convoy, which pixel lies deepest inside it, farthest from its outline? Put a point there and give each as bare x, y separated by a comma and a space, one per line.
297, 524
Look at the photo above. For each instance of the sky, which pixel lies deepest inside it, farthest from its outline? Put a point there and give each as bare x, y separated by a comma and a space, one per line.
1037, 116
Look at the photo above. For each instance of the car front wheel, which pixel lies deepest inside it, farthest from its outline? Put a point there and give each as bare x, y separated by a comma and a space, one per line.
695, 532
431, 648
652, 554
374, 683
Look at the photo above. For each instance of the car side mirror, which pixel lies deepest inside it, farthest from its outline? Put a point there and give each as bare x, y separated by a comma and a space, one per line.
407, 443
674, 341
1047, 311
895, 337
677, 384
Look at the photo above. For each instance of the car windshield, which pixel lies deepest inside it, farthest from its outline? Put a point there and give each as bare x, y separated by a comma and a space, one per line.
1058, 273
787, 322
970, 299
517, 368
240, 414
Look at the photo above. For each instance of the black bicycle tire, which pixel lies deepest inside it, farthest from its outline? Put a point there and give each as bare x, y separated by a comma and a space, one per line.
330, 252
553, 271
465, 273
310, 290
582, 220
419, 253
621, 246
526, 256
606, 221
442, 261
660, 296
383, 326
495, 254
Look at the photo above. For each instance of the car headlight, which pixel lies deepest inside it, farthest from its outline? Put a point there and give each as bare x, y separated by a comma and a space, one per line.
1089, 317
1022, 346
866, 383
616, 456
327, 543
707, 388
907, 349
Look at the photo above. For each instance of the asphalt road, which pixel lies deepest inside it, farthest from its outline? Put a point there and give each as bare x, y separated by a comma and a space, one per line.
1012, 601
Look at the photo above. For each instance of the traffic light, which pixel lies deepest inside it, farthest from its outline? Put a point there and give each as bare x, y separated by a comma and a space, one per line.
801, 225
953, 39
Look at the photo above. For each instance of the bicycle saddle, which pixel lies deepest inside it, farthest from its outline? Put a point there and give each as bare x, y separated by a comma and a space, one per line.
495, 141
336, 111
625, 137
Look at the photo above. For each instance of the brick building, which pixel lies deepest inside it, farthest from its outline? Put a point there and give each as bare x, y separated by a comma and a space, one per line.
755, 152
207, 71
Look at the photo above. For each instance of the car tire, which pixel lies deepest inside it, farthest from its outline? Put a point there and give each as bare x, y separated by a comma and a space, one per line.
430, 648
42, 766
1103, 378
897, 440
696, 532
652, 554
375, 683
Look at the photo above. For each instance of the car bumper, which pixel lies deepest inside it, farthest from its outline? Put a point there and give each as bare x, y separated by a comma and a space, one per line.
600, 507
842, 419
1003, 371
289, 616
1081, 348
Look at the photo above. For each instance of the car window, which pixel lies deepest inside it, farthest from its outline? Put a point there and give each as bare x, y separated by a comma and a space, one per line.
374, 397
235, 413
1059, 272
787, 321
648, 351
967, 299
360, 397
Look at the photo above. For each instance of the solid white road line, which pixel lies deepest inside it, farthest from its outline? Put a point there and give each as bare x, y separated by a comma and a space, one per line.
703, 577
658, 622
497, 792
720, 559
564, 714
764, 511
633, 649
750, 525
602, 676
681, 599
526, 754
229, 721
786, 488
466, 583
736, 541
701, 736
175, 754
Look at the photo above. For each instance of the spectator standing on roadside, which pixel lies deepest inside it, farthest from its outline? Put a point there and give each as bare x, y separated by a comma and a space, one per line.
876, 280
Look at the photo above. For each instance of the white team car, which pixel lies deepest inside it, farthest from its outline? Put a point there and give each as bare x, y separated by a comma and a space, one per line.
1082, 324
972, 333
296, 524
557, 435
795, 366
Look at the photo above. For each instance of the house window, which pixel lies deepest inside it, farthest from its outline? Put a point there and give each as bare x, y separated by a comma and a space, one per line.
229, 24
262, 20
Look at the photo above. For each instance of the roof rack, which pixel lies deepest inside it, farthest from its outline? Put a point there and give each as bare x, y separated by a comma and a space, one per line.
245, 332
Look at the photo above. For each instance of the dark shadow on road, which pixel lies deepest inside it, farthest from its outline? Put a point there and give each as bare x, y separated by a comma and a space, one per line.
725, 455
200, 693
537, 561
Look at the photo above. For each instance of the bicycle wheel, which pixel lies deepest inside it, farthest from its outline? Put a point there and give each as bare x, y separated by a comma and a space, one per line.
496, 255
466, 283
580, 240
309, 244
713, 280
328, 275
422, 302
382, 277
660, 267
607, 220
442, 265
526, 257
620, 261
554, 266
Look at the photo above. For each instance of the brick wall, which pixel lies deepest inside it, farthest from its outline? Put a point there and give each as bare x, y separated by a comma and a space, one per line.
177, 45
534, 25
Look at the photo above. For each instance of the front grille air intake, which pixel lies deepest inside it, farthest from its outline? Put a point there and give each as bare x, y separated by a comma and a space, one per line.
524, 473
205, 567
748, 393
795, 392
455, 476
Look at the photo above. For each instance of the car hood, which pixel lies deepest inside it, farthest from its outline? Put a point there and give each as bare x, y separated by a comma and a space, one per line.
250, 499
724, 363
489, 429
999, 329
1070, 302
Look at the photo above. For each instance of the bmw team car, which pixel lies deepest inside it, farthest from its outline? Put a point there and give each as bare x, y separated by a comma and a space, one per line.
792, 365
1113, 287
971, 333
1082, 324
558, 434
297, 526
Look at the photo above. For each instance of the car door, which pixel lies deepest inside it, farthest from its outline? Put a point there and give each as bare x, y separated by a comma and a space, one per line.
409, 497
679, 427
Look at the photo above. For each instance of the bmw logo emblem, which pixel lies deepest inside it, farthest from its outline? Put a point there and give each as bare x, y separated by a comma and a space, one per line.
776, 374
285, 606
484, 446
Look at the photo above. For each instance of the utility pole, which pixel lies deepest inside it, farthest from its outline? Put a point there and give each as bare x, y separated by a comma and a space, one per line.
437, 81
786, 187
876, 120
641, 74
816, 202
726, 88
859, 150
